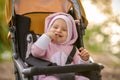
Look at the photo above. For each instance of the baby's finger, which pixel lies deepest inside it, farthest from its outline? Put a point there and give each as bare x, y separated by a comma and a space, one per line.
84, 52
80, 49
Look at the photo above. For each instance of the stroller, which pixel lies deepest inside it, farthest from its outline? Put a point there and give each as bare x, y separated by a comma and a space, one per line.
27, 25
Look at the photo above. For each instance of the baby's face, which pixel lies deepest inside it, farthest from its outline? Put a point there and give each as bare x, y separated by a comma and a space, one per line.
59, 27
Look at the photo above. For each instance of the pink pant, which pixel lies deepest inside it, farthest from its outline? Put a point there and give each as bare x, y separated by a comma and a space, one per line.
43, 77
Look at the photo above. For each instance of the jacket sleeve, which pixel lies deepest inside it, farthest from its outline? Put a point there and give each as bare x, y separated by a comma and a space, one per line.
39, 48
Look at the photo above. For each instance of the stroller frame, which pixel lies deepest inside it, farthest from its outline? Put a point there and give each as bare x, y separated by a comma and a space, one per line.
23, 71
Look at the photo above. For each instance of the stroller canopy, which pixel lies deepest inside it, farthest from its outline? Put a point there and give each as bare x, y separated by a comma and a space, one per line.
28, 6
22, 6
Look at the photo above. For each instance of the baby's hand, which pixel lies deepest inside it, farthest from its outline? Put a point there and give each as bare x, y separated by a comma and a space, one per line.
84, 54
52, 35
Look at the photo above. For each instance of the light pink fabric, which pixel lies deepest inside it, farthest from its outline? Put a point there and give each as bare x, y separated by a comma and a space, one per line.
57, 53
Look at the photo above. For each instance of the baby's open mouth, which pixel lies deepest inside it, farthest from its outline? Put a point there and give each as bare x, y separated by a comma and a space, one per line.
58, 35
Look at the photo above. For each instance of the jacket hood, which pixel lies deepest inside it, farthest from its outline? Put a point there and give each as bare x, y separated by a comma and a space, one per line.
71, 26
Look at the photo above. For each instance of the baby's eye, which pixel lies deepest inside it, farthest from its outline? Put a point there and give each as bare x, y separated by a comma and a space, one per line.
64, 29
55, 27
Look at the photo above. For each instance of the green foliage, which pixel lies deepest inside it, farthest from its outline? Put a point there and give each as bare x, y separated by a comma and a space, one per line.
92, 41
4, 42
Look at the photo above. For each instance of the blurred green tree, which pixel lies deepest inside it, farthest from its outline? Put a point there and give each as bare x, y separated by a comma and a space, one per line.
5, 44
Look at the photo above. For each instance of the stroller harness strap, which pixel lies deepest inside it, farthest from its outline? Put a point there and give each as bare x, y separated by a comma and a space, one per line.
71, 55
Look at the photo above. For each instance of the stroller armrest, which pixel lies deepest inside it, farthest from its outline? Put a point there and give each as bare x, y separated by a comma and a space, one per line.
78, 68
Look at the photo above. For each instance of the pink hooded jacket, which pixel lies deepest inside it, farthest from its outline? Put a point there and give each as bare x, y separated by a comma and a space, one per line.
57, 53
